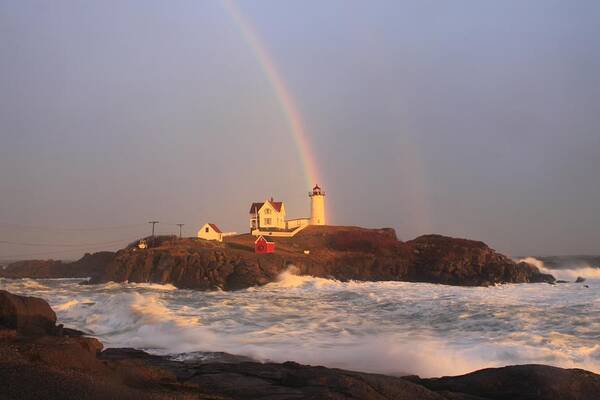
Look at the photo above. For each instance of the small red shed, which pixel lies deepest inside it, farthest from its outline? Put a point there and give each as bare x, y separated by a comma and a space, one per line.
263, 246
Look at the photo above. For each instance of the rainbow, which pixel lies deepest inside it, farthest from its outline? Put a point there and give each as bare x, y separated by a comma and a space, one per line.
286, 101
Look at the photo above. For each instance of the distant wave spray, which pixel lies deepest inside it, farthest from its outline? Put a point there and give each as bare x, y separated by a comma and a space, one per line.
587, 271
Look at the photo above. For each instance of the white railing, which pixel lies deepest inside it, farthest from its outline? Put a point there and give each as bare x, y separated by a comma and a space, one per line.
258, 232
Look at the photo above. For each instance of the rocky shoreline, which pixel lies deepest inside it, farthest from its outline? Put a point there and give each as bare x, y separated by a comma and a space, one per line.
39, 359
342, 253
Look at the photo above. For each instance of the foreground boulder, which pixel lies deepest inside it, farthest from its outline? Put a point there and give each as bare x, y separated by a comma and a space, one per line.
27, 315
39, 360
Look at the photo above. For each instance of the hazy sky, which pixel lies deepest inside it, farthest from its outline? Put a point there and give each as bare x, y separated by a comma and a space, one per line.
477, 119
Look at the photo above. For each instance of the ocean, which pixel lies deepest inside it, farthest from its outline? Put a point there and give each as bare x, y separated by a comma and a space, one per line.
386, 327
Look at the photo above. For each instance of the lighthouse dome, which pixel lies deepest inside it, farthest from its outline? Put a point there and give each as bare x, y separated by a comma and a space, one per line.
317, 190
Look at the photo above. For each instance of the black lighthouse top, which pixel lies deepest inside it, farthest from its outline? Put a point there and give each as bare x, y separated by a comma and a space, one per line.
316, 191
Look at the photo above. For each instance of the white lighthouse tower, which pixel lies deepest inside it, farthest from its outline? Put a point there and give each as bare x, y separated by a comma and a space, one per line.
317, 206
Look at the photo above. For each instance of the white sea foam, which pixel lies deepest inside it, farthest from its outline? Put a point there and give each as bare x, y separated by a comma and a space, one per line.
66, 305
291, 279
387, 327
153, 286
32, 284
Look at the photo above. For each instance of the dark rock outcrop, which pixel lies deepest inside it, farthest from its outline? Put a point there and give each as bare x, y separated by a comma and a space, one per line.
34, 269
89, 265
522, 382
161, 376
343, 253
251, 380
442, 259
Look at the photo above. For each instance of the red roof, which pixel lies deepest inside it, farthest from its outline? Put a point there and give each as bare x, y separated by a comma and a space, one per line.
261, 238
277, 205
216, 228
257, 206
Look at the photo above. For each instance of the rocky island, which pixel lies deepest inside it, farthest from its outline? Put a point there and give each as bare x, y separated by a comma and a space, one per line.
40, 359
337, 252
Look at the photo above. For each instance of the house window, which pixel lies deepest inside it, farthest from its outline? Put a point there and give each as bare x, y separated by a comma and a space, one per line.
268, 211
267, 221
206, 229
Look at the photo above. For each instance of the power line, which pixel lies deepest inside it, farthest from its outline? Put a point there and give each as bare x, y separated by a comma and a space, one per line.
28, 255
69, 229
169, 223
61, 244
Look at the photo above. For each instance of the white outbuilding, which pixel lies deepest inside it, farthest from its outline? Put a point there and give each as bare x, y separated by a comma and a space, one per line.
210, 232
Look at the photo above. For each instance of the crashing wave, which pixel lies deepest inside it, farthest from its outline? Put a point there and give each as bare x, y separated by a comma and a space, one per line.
384, 327
290, 278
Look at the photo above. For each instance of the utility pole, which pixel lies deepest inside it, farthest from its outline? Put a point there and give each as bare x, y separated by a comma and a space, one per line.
180, 225
153, 223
